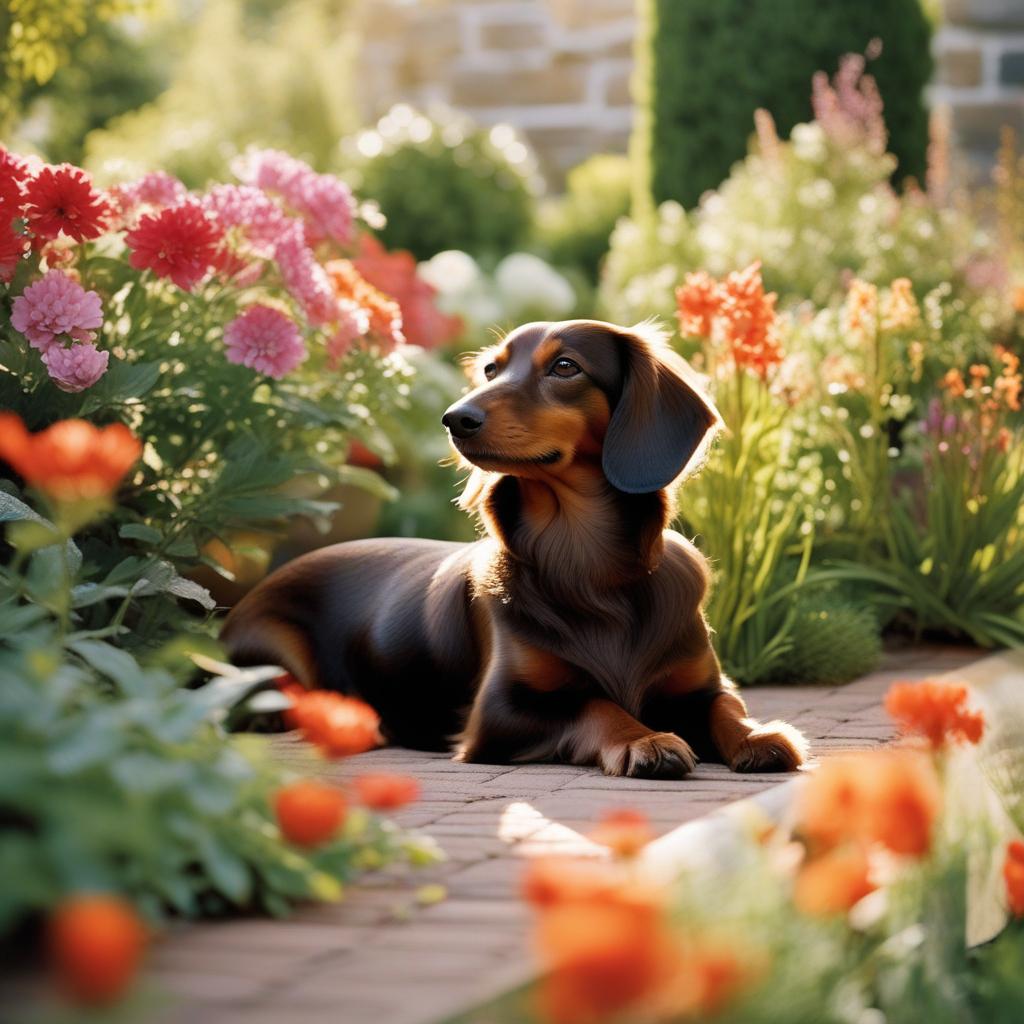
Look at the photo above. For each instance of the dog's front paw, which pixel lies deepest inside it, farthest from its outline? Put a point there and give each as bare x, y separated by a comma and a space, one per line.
658, 755
772, 747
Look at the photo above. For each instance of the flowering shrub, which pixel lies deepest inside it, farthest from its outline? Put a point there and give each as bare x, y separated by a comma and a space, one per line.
812, 209
751, 506
228, 328
849, 909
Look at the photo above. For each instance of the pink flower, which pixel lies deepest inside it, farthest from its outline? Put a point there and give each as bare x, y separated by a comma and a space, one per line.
266, 340
261, 221
158, 189
353, 323
54, 306
324, 201
305, 278
75, 368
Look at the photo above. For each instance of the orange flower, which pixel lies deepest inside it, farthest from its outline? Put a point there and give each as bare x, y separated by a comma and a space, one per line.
553, 880
96, 943
905, 802
709, 976
1013, 873
309, 813
625, 832
604, 958
386, 792
890, 797
1017, 298
834, 882
831, 803
72, 460
750, 322
698, 302
953, 382
339, 726
901, 310
862, 307
385, 315
937, 711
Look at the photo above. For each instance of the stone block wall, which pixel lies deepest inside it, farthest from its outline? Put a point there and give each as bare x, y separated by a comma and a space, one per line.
559, 70
979, 75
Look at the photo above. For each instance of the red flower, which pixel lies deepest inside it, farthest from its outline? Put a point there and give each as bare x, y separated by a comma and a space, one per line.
386, 792
309, 812
61, 200
96, 944
394, 273
339, 726
937, 711
1013, 873
181, 243
12, 248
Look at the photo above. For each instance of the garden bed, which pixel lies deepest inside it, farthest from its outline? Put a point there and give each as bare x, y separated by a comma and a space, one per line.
396, 951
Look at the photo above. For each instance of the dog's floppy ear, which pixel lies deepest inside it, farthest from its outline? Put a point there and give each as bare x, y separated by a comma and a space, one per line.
661, 418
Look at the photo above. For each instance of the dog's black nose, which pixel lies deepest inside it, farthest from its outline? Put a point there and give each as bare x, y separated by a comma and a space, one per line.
464, 420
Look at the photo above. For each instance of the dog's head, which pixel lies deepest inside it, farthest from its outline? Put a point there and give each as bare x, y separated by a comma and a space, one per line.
550, 394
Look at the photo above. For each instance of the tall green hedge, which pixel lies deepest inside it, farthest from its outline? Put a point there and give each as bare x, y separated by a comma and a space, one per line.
705, 66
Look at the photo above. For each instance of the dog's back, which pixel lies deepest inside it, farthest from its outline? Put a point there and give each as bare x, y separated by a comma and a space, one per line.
387, 620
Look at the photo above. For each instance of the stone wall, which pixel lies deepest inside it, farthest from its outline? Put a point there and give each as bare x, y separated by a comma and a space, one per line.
559, 70
979, 76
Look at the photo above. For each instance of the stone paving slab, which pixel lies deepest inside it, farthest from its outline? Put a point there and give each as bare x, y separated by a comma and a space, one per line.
379, 956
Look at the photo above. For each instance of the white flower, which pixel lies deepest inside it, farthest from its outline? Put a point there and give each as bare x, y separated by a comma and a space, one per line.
451, 272
526, 282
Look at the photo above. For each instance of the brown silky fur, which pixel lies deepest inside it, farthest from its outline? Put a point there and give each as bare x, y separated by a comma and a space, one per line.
572, 630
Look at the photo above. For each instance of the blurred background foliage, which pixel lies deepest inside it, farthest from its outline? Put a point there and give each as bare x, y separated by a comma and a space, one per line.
704, 68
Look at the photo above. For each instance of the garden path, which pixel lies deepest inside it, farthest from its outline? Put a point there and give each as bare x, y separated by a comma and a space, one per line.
381, 956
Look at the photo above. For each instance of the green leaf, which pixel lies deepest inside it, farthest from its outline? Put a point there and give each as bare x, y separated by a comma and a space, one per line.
139, 531
228, 872
120, 384
189, 590
111, 662
13, 510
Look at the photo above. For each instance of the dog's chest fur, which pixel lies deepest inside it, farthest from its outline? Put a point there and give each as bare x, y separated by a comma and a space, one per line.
605, 590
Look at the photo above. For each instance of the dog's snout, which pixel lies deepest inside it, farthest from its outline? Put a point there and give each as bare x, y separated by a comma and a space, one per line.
464, 420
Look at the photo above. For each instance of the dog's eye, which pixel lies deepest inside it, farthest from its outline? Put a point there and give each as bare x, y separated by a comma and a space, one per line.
565, 368
491, 371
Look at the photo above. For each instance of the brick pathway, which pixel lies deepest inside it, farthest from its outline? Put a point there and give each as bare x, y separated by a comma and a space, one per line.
381, 957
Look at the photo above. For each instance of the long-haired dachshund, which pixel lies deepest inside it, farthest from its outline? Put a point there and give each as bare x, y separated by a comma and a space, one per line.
572, 631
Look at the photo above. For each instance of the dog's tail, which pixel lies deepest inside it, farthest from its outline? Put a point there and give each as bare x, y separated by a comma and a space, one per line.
254, 634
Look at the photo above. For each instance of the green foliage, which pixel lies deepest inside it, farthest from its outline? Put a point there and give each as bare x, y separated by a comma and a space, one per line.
750, 515
110, 72
276, 80
114, 777
705, 68
834, 639
574, 229
38, 37
929, 482
444, 183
